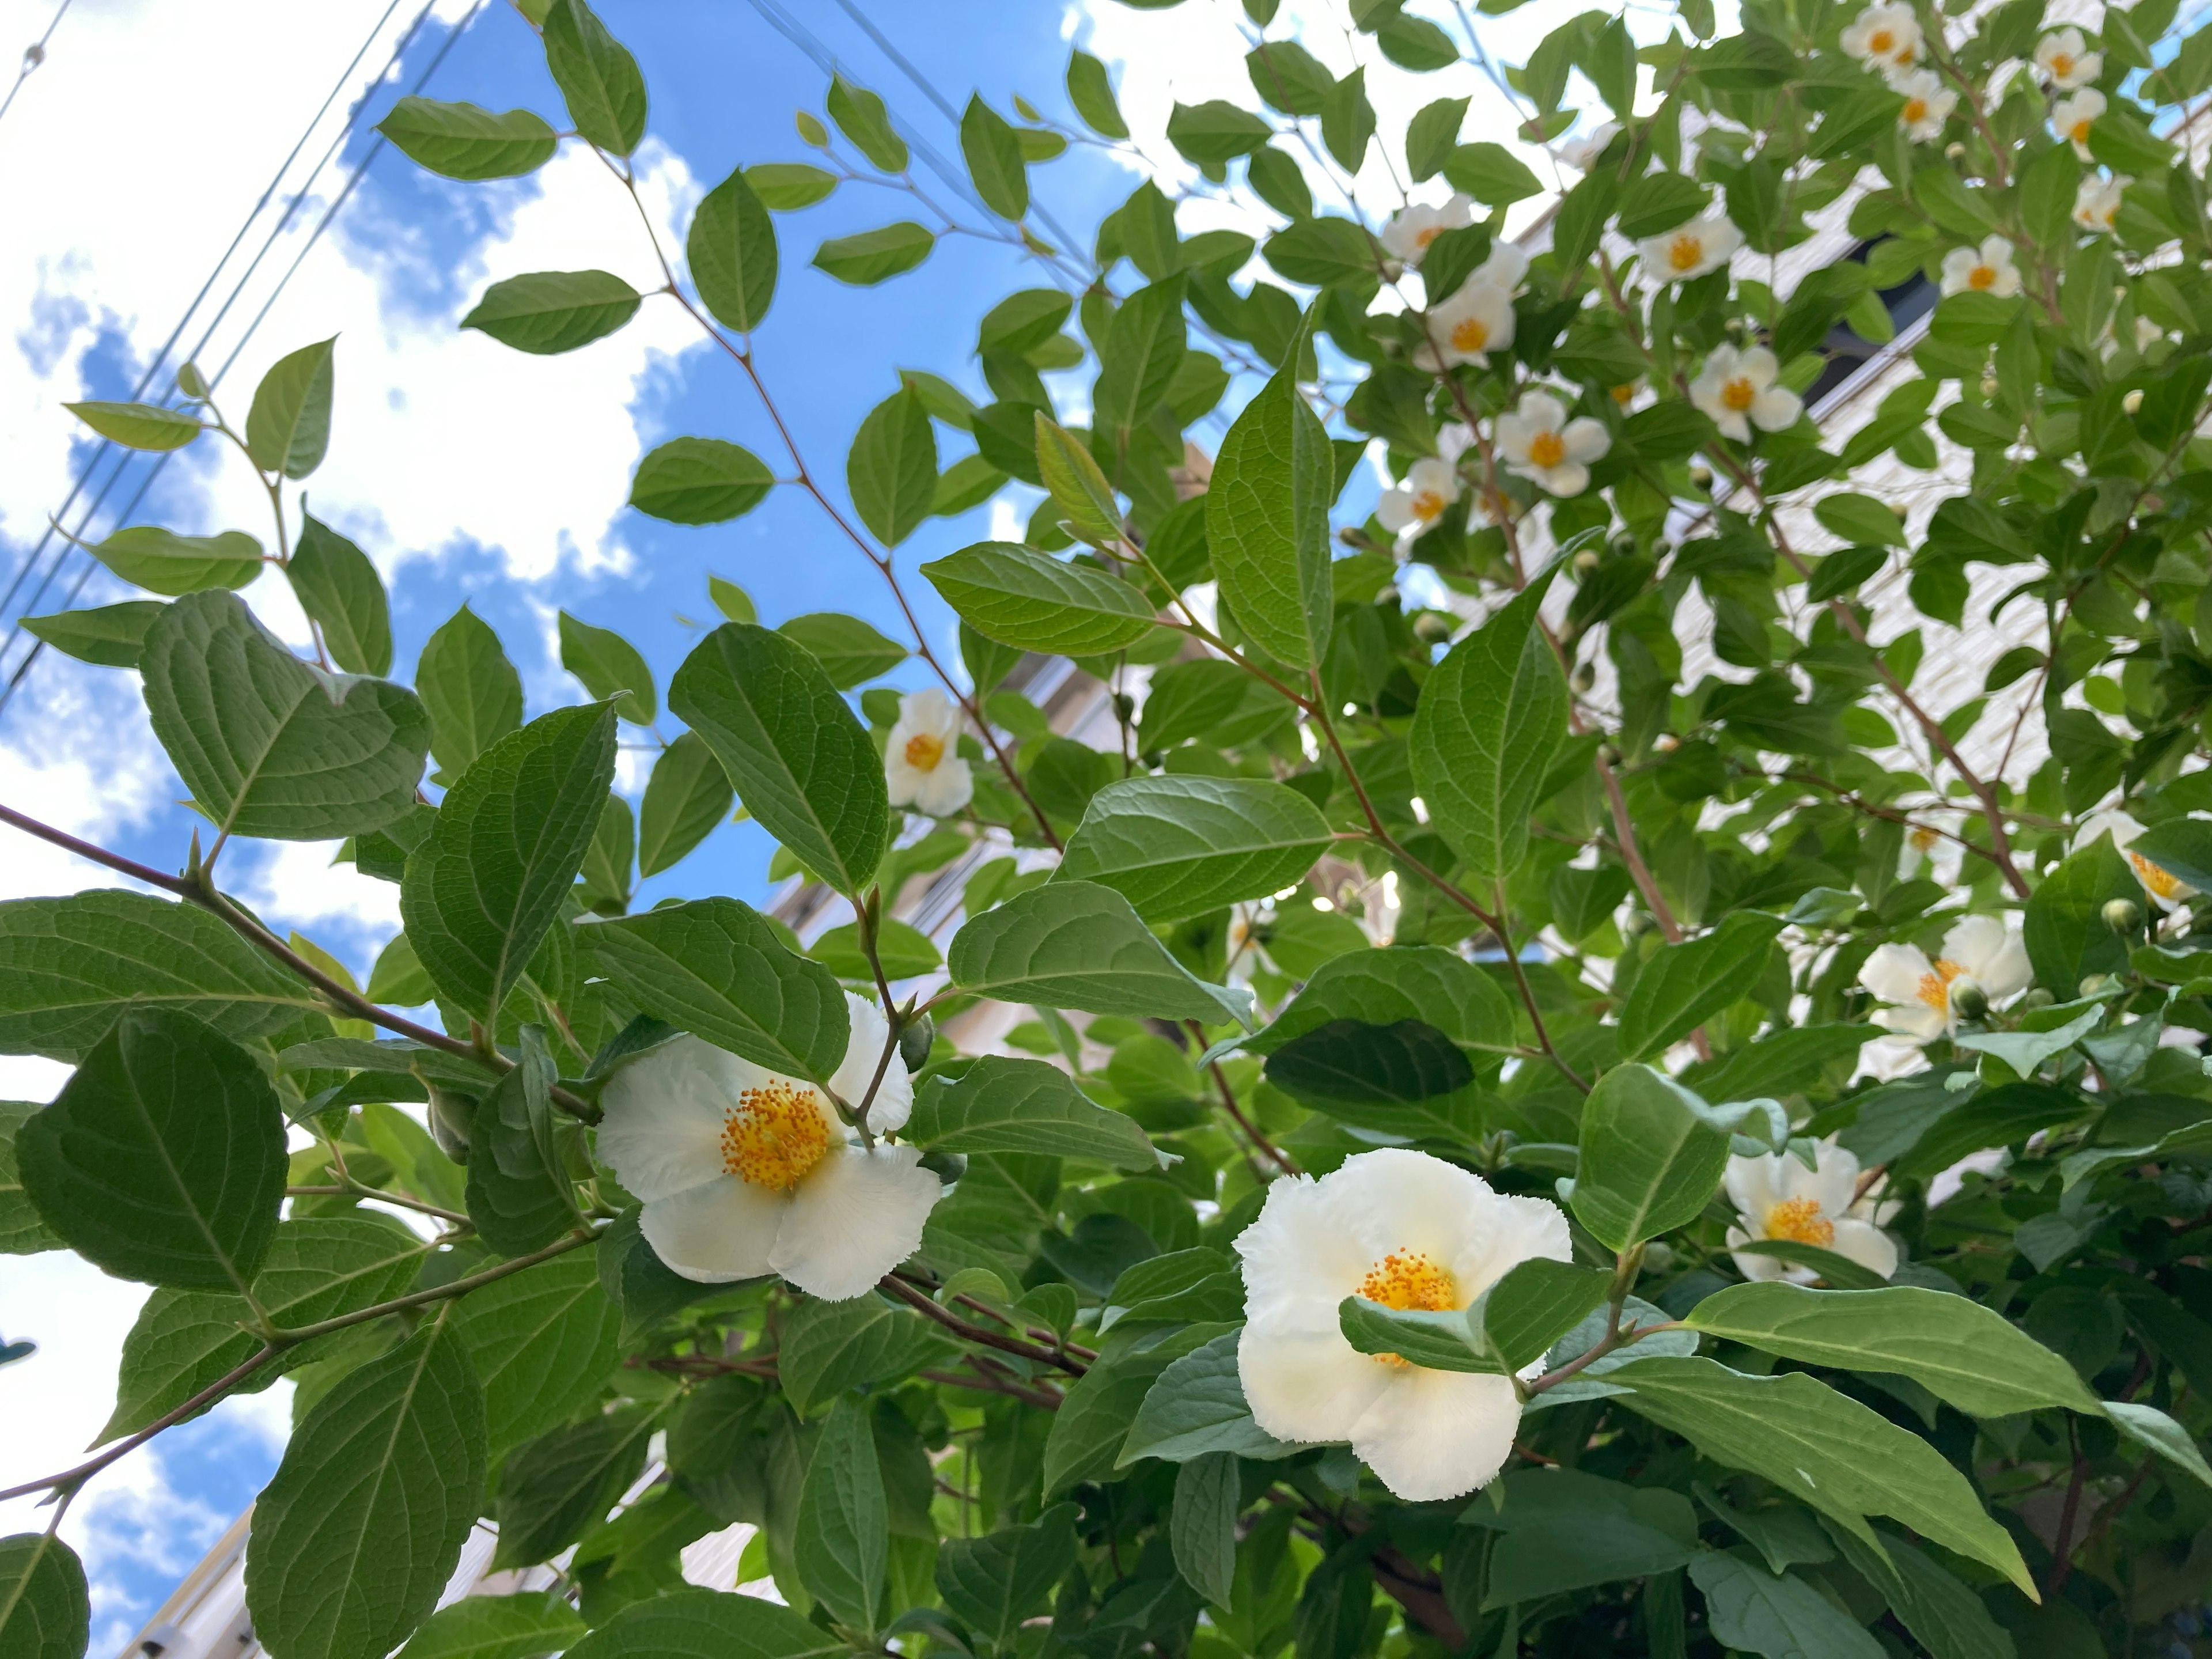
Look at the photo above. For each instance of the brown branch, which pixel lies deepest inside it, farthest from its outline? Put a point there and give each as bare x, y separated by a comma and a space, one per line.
927, 1306
1275, 1154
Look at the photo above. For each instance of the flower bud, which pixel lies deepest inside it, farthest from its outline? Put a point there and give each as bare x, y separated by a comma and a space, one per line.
1701, 475
1586, 561
1125, 706
2096, 983
452, 1117
2037, 998
1658, 1256
1989, 385
1666, 742
1953, 151
2123, 915
916, 1042
1609, 754
2132, 401
1622, 544
1968, 1000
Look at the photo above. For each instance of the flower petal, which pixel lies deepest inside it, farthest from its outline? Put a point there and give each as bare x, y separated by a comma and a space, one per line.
856, 1217
1509, 1230
1894, 973
1867, 1244
1299, 1262
1753, 1186
1308, 1385
1586, 439
717, 1232
1397, 1200
1434, 1435
864, 1052
662, 1133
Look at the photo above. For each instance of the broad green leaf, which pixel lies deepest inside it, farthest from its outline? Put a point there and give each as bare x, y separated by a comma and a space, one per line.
1002, 1104
45, 1607
23, 1231
108, 635
904, 952
67, 966
716, 969
849, 650
1092, 93
339, 589
1079, 487
699, 481
519, 1192
875, 256
1565, 1530
287, 429
1947, 1617
606, 880
363, 1523
1076, 945
553, 1487
2180, 847
509, 838
1490, 717
162, 1158
685, 798
1216, 132
1688, 983
1438, 987
800, 761
1178, 847
826, 1348
1266, 522
994, 1583
1783, 1062
732, 600
1534, 1305
270, 745
596, 76
1140, 354
731, 253
542, 1342
549, 311
162, 562
1843, 1458
700, 1624
993, 155
1491, 173
1196, 1407
611, 667
1650, 1158
462, 141
1094, 1418
138, 426
891, 470
843, 1539
786, 187
2149, 1427
1022, 321
1035, 601
472, 691
860, 115
521, 1626
1837, 1273
1754, 1611
1438, 1341
1202, 1525
2063, 925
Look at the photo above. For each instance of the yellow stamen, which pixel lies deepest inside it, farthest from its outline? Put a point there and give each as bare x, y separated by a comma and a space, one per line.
2062, 65
1548, 449
1407, 1279
1982, 277
774, 1135
2079, 132
1936, 987
2158, 881
1470, 334
1427, 234
1800, 1219
1738, 394
1687, 252
1915, 110
1923, 839
1622, 394
1427, 504
923, 751
1880, 41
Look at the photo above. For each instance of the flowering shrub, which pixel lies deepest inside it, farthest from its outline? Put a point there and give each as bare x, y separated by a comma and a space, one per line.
1553, 1080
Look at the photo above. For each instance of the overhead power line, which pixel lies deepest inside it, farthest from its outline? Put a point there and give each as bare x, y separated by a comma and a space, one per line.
34, 55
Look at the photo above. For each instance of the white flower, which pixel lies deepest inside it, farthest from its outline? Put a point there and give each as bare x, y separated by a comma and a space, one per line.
2147, 334
1541, 445
2065, 57
2097, 203
1979, 949
1737, 389
1430, 486
1413, 228
2166, 892
1883, 37
1928, 103
1704, 244
744, 1173
1407, 1231
1986, 269
1503, 268
1775, 1196
1579, 152
2071, 118
1468, 326
920, 762
1924, 849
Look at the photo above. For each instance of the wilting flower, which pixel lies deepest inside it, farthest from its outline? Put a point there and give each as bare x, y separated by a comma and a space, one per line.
1928, 103
1430, 486
1411, 229
1541, 445
1579, 152
1929, 997
1468, 326
1775, 1196
743, 1172
2165, 890
2071, 117
2097, 203
1986, 269
1704, 244
1884, 37
1737, 389
1407, 1231
921, 764
2065, 57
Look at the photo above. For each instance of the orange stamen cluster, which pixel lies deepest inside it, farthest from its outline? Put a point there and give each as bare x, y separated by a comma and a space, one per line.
1738, 394
774, 1135
2157, 880
923, 751
1800, 1219
1686, 252
1548, 449
1427, 504
1936, 987
1407, 1278
1470, 334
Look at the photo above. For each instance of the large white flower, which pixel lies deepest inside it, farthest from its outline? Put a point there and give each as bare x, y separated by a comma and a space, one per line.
2097, 202
1468, 326
1979, 949
1407, 1231
1504, 268
2071, 118
921, 764
2065, 57
1928, 103
1691, 250
1541, 445
1884, 37
1411, 229
1430, 486
1986, 269
1775, 1196
1737, 389
744, 1173
2165, 890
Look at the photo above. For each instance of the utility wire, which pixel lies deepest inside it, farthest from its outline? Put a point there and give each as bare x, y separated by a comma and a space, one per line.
34, 55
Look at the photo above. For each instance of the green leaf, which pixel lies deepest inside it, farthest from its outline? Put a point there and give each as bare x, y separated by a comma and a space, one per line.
138, 426
731, 251
472, 691
1491, 173
481, 891
828, 1348
801, 762
993, 155
542, 1342
1686, 984
2149, 1427
162, 562
1754, 1611
699, 1624
549, 311
1438, 987
567, 1480
875, 256
1266, 522
1094, 1418
1435, 1341
596, 76
1843, 1458
1002, 1104
363, 1525
732, 600
860, 115
462, 141
1141, 352
786, 187
1079, 487
843, 1538
1178, 847
45, 1609
1092, 93
23, 1231
685, 798
2181, 847
1534, 1304
1568, 1531
1035, 601
611, 668
968, 482
1651, 1158
1347, 120
1431, 135
1076, 945
519, 1192
849, 651
1195, 1408
699, 481
1202, 1525
891, 470
1490, 717
1216, 132
1948, 1619
340, 590
1861, 519
2064, 926
108, 636
522, 1626
716, 969
162, 1158
287, 429
904, 952
994, 1583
